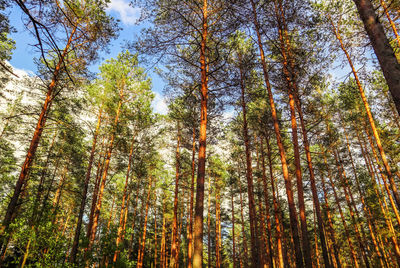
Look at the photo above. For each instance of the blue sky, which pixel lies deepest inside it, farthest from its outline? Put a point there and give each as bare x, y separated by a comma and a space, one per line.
24, 53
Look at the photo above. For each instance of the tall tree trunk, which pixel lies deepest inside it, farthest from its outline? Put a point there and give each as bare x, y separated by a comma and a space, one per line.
163, 243
244, 240
155, 240
143, 239
75, 244
198, 218
396, 195
349, 198
388, 219
365, 208
287, 179
123, 206
190, 235
314, 191
174, 246
100, 166
391, 200
209, 253
392, 24
249, 175
218, 241
337, 201
11, 208
233, 232
105, 172
295, 140
278, 232
383, 50
130, 249
270, 256
332, 234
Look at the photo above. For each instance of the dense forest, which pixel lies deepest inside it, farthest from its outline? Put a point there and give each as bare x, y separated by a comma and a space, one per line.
280, 146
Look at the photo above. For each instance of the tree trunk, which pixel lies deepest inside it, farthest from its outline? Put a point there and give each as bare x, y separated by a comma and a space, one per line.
105, 173
278, 231
233, 232
267, 206
388, 220
396, 195
288, 183
163, 243
174, 246
352, 251
75, 244
295, 140
155, 240
143, 240
218, 241
190, 235
100, 166
249, 176
11, 208
392, 24
244, 240
198, 218
383, 50
123, 208
332, 234
209, 254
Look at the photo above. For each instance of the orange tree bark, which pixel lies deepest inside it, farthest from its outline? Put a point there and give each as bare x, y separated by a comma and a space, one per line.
75, 243
278, 231
352, 251
282, 153
174, 243
295, 140
122, 214
349, 200
92, 232
100, 166
36, 138
190, 235
218, 239
267, 206
249, 176
244, 240
382, 48
233, 232
198, 217
369, 115
143, 240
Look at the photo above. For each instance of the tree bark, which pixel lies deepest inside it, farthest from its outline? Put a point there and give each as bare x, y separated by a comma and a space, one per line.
367, 108
190, 235
218, 238
249, 175
11, 208
105, 173
233, 232
198, 218
143, 240
174, 246
278, 231
382, 48
75, 244
288, 184
123, 206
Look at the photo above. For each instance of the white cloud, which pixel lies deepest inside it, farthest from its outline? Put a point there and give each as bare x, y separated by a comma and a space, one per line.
129, 15
159, 105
